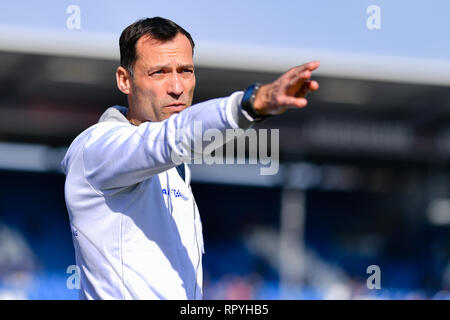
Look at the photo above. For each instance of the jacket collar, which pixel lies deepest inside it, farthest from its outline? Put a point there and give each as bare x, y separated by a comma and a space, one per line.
115, 114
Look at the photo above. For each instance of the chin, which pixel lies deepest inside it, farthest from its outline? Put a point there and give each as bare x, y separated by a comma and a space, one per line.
170, 113
166, 116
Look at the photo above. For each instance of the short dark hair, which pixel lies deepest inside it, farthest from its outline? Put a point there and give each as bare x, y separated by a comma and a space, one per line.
158, 28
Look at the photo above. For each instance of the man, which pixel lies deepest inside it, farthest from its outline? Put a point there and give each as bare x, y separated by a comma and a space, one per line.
136, 227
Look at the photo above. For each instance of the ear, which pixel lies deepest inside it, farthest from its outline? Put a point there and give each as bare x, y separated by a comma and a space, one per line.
123, 79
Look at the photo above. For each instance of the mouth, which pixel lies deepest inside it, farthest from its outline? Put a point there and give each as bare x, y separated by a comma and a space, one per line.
176, 106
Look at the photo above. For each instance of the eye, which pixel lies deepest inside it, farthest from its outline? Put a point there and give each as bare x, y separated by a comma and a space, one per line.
156, 72
187, 72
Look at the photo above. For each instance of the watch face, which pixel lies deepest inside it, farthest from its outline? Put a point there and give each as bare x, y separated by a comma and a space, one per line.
248, 94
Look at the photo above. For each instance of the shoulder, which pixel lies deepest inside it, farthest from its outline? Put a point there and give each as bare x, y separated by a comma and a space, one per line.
97, 130
95, 133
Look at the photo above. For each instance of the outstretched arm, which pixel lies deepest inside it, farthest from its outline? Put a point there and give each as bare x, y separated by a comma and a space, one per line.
116, 156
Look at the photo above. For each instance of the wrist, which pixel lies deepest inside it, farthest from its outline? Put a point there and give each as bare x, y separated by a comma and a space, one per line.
261, 101
251, 102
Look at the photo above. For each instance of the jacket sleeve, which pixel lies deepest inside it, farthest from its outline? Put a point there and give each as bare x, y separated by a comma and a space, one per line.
120, 155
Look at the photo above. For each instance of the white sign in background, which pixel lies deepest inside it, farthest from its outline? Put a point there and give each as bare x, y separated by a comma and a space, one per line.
372, 39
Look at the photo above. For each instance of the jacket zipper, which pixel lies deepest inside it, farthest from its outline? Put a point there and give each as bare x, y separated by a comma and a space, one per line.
198, 249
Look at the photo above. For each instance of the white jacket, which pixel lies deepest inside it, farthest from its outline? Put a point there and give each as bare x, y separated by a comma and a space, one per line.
135, 224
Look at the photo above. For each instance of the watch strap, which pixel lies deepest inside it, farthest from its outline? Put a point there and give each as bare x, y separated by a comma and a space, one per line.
248, 100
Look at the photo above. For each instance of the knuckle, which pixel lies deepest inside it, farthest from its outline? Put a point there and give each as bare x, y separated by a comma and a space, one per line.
279, 100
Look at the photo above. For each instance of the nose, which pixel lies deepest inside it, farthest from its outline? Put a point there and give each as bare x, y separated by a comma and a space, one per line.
175, 86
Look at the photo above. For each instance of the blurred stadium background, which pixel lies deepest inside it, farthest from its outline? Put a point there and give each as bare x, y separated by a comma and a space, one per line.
364, 170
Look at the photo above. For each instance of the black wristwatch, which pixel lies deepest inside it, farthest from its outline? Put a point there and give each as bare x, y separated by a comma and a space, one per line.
248, 100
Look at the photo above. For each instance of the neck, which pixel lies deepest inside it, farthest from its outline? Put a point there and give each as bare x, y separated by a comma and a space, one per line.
133, 121
132, 118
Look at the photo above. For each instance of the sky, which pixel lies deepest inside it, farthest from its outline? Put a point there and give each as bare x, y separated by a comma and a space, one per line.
408, 28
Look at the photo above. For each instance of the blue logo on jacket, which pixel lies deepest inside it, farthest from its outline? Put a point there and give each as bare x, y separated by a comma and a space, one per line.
175, 192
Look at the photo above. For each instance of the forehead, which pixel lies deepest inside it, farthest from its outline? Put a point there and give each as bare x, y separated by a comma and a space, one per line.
152, 51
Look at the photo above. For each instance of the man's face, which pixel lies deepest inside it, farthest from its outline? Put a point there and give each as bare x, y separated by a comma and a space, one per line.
164, 79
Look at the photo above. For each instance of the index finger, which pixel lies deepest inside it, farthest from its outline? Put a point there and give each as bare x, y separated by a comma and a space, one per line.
300, 71
313, 65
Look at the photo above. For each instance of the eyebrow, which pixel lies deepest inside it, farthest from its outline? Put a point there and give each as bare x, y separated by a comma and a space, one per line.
163, 66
